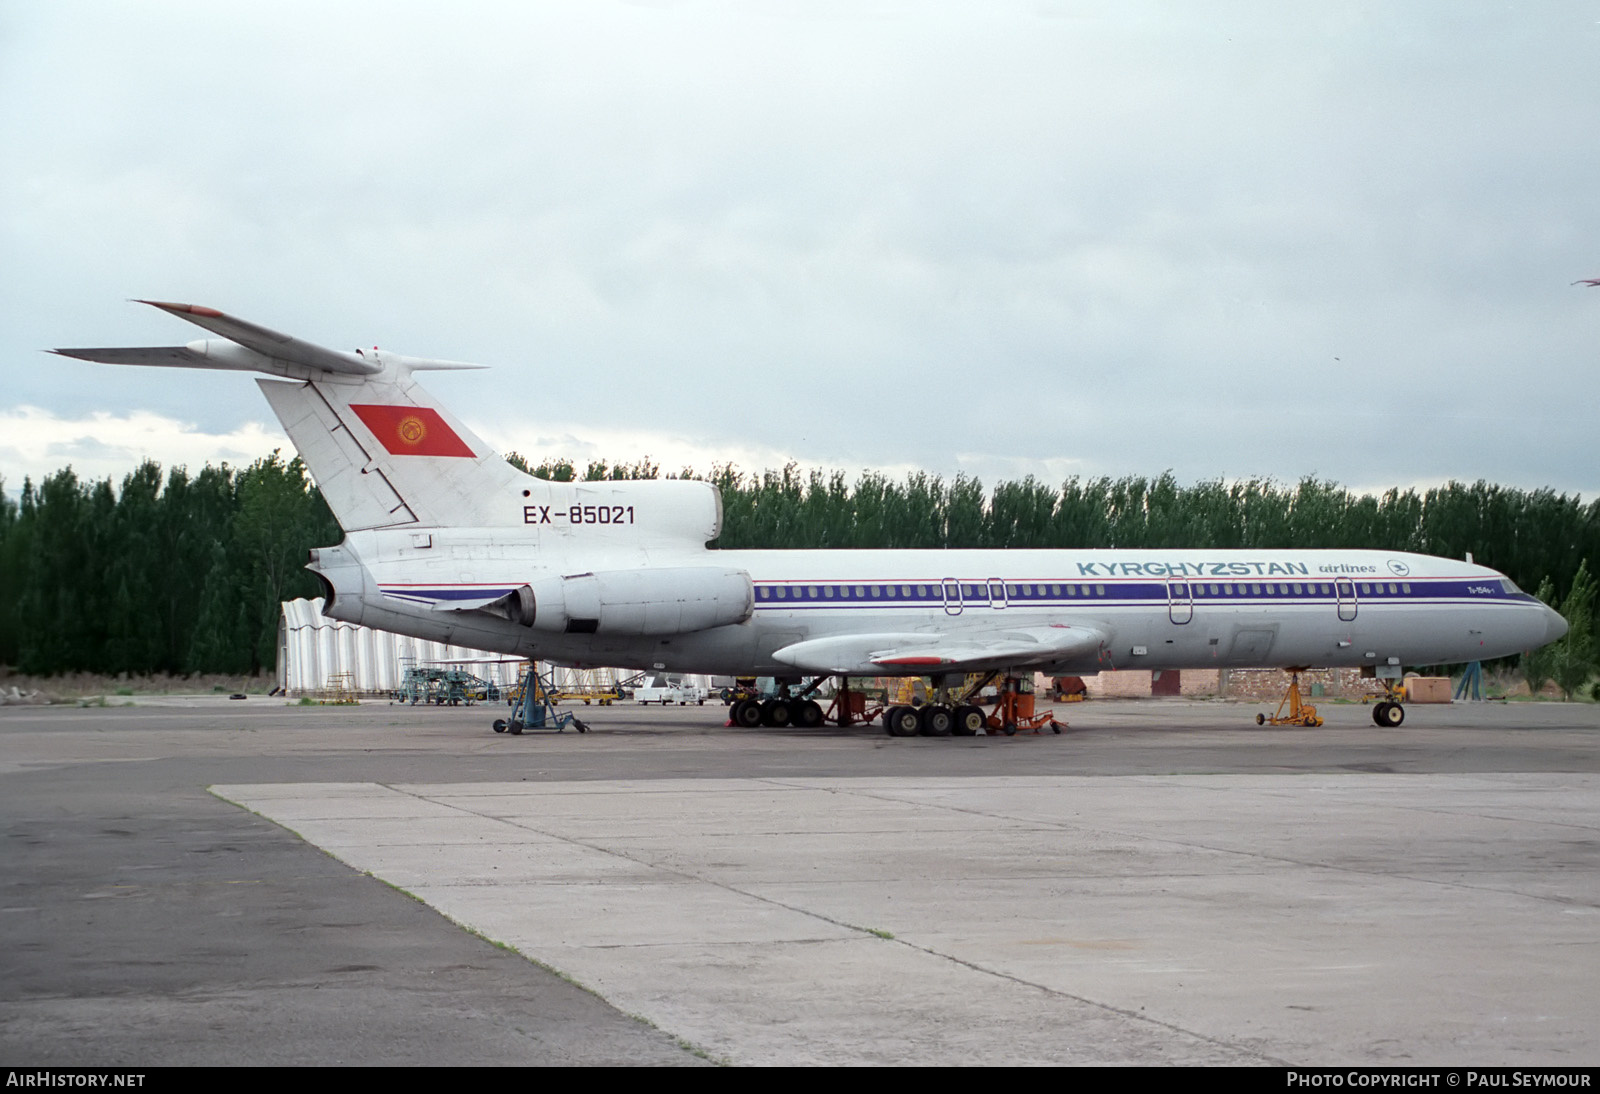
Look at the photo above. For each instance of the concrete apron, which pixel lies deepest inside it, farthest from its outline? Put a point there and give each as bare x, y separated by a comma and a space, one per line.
1303, 919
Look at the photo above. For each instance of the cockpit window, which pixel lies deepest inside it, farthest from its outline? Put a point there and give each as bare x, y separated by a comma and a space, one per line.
1509, 586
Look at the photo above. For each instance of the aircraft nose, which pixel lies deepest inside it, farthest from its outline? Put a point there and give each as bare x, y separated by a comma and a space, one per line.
1555, 627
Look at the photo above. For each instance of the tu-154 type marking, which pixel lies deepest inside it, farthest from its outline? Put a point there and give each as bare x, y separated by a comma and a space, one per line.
445, 540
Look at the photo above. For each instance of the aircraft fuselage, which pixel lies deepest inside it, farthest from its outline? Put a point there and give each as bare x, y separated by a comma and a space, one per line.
1152, 609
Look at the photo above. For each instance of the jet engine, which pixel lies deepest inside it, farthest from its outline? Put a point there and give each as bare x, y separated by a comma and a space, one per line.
676, 600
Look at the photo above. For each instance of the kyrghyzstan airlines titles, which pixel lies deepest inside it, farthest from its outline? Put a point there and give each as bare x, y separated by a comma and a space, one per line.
1215, 569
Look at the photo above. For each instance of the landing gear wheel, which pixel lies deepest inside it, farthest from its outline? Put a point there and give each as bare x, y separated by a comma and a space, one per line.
747, 713
775, 712
1388, 714
936, 721
806, 714
901, 721
499, 725
968, 720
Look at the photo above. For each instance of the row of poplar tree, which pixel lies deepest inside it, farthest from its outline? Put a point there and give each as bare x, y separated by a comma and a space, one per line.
178, 574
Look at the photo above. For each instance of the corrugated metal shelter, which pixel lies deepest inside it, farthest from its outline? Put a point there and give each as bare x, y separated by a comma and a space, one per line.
312, 648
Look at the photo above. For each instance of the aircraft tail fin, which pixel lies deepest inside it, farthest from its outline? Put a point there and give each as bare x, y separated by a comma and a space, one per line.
382, 450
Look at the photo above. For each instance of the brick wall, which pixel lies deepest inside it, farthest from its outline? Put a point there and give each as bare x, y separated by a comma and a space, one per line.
1253, 684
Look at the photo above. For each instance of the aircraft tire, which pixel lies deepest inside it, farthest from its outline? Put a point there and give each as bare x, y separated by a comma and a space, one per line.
806, 714
901, 721
747, 713
968, 720
1389, 715
775, 712
936, 721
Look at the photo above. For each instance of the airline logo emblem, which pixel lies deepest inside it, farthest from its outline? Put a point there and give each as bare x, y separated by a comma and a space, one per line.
411, 430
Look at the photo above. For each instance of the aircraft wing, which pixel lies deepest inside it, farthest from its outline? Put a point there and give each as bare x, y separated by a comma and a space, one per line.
957, 650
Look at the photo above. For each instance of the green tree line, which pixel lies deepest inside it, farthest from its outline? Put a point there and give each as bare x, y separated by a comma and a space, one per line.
167, 574
185, 574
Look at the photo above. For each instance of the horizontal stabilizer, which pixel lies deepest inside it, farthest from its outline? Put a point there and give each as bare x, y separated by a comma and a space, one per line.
249, 347
960, 650
270, 343
382, 450
166, 356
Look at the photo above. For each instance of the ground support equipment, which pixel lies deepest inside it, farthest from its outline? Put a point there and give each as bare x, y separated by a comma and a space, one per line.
744, 687
1068, 689
442, 686
851, 706
604, 695
1014, 710
535, 708
1300, 714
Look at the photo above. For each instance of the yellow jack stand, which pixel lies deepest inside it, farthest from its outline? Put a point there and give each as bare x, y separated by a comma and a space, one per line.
1300, 714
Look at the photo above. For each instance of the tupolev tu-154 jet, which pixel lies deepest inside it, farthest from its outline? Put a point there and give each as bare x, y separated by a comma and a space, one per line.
445, 540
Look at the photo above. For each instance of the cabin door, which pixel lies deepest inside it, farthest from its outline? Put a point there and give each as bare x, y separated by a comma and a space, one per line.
1180, 601
952, 596
997, 593
1346, 591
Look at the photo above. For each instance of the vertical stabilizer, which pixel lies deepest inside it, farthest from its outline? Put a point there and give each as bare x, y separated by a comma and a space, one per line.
386, 454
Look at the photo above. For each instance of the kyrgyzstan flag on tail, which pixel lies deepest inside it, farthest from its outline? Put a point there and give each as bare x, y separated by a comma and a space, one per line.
411, 430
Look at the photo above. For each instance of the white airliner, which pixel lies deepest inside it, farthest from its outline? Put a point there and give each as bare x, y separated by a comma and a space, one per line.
445, 540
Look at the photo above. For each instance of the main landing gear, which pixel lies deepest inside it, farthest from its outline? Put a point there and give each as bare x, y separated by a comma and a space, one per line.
951, 715
950, 712
781, 710
934, 720
1389, 712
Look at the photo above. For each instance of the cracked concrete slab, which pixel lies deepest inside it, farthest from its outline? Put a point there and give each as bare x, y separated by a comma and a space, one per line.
1031, 919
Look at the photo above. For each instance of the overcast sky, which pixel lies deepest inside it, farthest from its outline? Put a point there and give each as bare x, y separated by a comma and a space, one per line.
1235, 240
